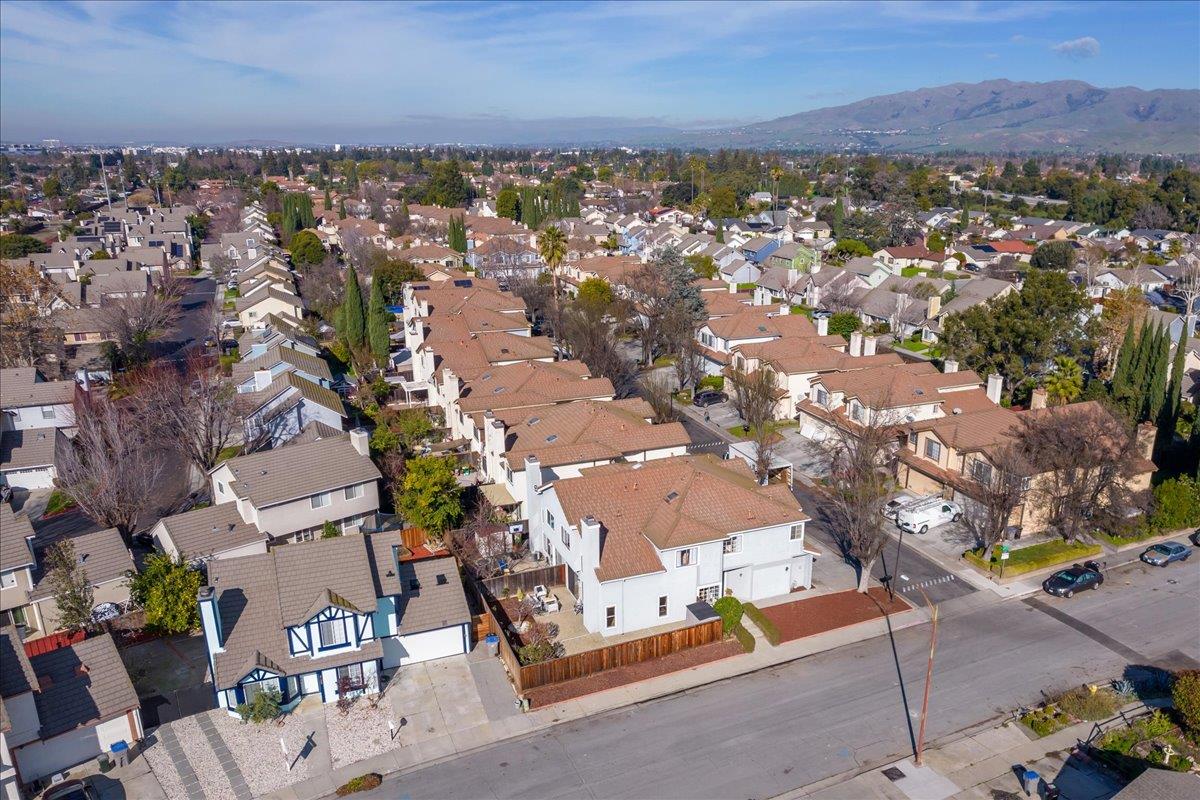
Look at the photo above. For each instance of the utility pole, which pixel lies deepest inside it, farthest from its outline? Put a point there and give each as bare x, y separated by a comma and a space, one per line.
933, 619
104, 176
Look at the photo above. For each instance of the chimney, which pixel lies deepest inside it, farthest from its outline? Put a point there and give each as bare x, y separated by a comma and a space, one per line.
533, 471
733, 288
935, 305
995, 387
262, 379
449, 387
590, 534
949, 366
210, 619
822, 326
869, 345
856, 344
1038, 398
360, 440
493, 438
1145, 439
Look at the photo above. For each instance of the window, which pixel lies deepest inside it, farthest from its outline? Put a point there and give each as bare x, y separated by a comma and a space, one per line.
822, 397
321, 500
933, 449
566, 537
856, 412
304, 536
351, 677
47, 412
220, 488
356, 491
732, 545
550, 519
610, 617
1025, 482
332, 633
8, 579
709, 594
662, 606
912, 438
797, 532
508, 474
686, 557
981, 471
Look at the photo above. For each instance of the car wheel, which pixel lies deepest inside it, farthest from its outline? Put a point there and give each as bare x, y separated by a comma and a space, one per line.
1095, 586
1069, 593
924, 529
956, 518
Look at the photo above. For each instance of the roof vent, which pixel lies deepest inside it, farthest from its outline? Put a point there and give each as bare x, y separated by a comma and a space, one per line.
498, 390
919, 392
956, 411
672, 496
441, 579
552, 438
533, 421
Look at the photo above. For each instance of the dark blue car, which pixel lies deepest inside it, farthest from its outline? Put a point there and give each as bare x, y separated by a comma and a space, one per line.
1159, 555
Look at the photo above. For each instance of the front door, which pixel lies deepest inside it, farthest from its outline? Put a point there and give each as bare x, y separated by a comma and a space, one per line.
737, 582
573, 583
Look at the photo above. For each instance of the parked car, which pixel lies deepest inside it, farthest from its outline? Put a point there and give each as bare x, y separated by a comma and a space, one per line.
70, 790
709, 397
1067, 582
892, 507
919, 517
1195, 537
1163, 553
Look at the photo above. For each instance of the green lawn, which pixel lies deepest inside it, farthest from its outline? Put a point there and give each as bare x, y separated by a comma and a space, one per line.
229, 452
747, 287
776, 427
915, 345
58, 502
1121, 541
1038, 556
664, 361
911, 272
231, 294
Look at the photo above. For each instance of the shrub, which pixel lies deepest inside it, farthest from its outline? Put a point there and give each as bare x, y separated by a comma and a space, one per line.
745, 638
1028, 559
1176, 504
770, 632
1185, 692
730, 610
360, 784
263, 707
536, 653
712, 382
1084, 704
1045, 721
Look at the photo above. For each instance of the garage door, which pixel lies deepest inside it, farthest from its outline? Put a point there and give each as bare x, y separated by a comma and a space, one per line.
39, 759
41, 478
771, 581
443, 642
737, 581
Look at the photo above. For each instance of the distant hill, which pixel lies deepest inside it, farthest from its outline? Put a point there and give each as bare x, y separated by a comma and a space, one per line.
997, 115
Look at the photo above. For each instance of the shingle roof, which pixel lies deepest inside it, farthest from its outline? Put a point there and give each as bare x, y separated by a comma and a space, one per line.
101, 554
286, 355
670, 503
532, 383
276, 476
22, 386
33, 447
439, 600
88, 684
211, 530
15, 529
16, 674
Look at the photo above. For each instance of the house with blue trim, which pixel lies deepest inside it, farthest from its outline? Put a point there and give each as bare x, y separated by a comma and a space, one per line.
328, 618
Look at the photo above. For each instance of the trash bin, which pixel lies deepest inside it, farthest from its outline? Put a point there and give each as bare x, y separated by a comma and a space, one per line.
120, 751
1052, 792
1031, 782
493, 644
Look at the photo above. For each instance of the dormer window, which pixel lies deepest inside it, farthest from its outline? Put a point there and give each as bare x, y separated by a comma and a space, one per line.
332, 633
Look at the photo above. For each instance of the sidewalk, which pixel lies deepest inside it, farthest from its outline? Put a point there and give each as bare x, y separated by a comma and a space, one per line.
981, 765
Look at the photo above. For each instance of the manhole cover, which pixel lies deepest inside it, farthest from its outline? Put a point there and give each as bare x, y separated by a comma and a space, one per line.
893, 774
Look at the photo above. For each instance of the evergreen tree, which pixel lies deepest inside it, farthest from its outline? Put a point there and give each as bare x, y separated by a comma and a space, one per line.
964, 219
458, 234
1121, 373
684, 292
1156, 385
1133, 395
328, 200
721, 232
839, 216
352, 316
1168, 415
379, 324
341, 208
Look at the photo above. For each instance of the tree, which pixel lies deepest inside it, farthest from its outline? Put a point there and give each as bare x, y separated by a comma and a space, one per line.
1083, 459
352, 317
379, 324
18, 245
391, 276
508, 203
1053, 255
113, 465
429, 496
596, 291
329, 530
70, 587
588, 335
1168, 416
844, 323
552, 247
306, 249
341, 208
30, 336
194, 410
838, 218
995, 493
447, 187
165, 589
756, 395
1124, 311
1156, 382
859, 479
722, 202
1064, 384
1093, 258
657, 392
1123, 369
702, 266
847, 249
1187, 285
457, 233
136, 323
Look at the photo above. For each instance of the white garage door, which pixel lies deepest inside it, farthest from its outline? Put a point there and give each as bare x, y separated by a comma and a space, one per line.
737, 581
771, 581
39, 759
443, 642
40, 478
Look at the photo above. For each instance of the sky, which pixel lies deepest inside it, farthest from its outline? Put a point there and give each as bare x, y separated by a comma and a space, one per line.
326, 72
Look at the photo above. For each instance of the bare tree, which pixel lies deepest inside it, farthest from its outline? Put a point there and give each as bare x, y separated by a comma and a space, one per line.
1090, 262
113, 464
997, 486
481, 542
321, 285
1082, 458
193, 410
756, 396
220, 264
1187, 285
679, 338
903, 304
30, 336
137, 322
588, 336
652, 295
657, 391
860, 477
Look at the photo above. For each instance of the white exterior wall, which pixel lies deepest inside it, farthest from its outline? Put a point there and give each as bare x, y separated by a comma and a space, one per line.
426, 646
42, 758
329, 683
31, 478
9, 790
30, 417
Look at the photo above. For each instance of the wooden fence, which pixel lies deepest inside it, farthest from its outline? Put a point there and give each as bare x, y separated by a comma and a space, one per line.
413, 537
54, 641
506, 585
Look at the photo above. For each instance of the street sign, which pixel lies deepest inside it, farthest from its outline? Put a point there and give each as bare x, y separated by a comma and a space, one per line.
1004, 555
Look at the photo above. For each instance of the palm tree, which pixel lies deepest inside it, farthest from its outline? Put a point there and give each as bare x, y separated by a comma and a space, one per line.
552, 247
989, 172
776, 176
1066, 382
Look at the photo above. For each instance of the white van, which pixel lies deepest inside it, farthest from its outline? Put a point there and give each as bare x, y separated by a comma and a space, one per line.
929, 513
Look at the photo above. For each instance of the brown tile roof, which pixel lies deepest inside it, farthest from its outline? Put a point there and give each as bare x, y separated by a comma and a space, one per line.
101, 554
15, 530
277, 476
468, 353
670, 503
574, 433
22, 386
87, 684
532, 383
33, 447
724, 304
443, 299
899, 385
211, 531
793, 356
758, 322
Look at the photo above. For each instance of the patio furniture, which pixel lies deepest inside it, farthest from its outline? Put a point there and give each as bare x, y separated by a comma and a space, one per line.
551, 604
540, 591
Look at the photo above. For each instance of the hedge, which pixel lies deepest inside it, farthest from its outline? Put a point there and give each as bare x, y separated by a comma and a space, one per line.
1034, 557
730, 610
770, 632
745, 638
712, 382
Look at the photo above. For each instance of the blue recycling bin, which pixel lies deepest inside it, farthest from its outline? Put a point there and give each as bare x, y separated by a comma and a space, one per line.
1031, 782
120, 751
493, 644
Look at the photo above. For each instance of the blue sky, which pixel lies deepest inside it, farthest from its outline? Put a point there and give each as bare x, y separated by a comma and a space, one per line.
332, 71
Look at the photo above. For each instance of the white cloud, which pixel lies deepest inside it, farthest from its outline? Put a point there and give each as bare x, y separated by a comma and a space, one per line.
1083, 47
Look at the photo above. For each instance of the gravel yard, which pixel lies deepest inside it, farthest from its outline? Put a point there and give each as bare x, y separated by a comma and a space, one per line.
257, 752
360, 734
164, 769
203, 759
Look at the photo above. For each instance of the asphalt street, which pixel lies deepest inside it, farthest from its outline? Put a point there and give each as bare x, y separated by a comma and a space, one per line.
761, 734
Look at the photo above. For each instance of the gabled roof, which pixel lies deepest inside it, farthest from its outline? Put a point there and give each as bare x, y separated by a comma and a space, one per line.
30, 448
270, 477
24, 386
211, 531
586, 430
532, 383
101, 554
278, 354
82, 684
15, 531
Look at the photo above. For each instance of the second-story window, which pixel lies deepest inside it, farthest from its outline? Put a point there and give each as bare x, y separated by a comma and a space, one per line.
981, 471
732, 545
356, 491
550, 519
912, 438
822, 397
566, 537
797, 532
321, 500
933, 449
332, 633
687, 557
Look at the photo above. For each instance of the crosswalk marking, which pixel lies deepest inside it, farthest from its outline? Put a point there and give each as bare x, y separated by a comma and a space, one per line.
925, 584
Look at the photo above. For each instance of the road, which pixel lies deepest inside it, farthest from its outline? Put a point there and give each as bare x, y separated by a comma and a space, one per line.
762, 734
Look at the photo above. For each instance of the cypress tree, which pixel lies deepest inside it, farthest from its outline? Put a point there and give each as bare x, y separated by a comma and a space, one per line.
354, 324
458, 234
721, 232
964, 219
1120, 378
1134, 397
379, 324
1168, 415
341, 208
328, 200
839, 215
1156, 385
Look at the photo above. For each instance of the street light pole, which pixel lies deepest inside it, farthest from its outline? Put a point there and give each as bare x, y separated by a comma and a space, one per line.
933, 618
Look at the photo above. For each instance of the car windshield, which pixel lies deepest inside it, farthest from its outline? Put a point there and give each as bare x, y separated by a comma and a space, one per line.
1158, 548
1067, 577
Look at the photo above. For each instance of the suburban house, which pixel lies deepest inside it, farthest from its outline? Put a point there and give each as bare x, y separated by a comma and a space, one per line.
566, 438
327, 618
17, 564
915, 255
271, 300
967, 294
29, 400
642, 541
274, 362
278, 496
278, 408
275, 331
61, 708
718, 338
29, 458
103, 557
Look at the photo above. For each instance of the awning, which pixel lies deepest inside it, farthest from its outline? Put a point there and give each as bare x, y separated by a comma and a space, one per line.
497, 495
